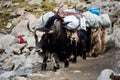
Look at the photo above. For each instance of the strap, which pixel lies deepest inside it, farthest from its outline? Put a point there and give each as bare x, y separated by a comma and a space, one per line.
43, 19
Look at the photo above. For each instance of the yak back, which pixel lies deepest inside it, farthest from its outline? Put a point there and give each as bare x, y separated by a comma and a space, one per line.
51, 21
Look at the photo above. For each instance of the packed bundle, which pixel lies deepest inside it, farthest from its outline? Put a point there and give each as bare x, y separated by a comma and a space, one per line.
105, 20
92, 20
95, 19
95, 11
71, 21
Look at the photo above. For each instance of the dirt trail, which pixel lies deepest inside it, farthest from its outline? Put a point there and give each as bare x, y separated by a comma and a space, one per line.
88, 69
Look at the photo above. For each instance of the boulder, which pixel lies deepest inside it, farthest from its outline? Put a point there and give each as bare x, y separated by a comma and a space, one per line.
8, 25
109, 41
116, 34
19, 78
35, 2
6, 41
6, 75
105, 74
30, 41
17, 12
10, 44
23, 71
21, 27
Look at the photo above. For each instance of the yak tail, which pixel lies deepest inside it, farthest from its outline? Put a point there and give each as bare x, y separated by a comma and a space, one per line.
36, 37
28, 27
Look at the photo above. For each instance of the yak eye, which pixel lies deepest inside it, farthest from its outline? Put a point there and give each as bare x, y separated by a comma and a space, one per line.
48, 40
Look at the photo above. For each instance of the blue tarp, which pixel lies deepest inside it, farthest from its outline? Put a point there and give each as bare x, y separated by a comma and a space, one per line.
94, 11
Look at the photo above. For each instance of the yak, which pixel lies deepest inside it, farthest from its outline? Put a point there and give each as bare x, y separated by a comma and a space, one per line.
54, 41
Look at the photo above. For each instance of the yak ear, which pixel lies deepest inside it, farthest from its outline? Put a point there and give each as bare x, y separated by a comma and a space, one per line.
43, 29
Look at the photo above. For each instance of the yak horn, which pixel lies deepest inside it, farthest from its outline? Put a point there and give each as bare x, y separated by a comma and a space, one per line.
51, 31
60, 6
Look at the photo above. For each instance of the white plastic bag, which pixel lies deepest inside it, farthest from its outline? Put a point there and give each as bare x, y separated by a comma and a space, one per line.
43, 19
73, 22
105, 20
92, 20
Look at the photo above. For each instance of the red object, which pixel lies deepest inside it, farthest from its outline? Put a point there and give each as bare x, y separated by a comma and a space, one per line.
20, 39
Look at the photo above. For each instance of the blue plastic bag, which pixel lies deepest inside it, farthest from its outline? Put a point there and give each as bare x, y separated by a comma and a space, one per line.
95, 11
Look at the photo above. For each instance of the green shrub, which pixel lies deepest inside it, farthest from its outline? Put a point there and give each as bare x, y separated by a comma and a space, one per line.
18, 1
48, 6
118, 26
4, 19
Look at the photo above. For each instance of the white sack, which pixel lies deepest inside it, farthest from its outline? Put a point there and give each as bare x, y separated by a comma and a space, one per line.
74, 22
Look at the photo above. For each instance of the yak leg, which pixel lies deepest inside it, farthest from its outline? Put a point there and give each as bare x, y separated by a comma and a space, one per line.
73, 58
66, 63
55, 62
44, 64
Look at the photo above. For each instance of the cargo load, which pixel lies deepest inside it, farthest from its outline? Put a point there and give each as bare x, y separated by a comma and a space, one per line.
105, 20
95, 11
92, 20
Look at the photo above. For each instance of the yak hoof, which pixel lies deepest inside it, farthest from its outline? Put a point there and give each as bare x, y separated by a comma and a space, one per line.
66, 64
73, 60
43, 66
84, 57
55, 68
94, 55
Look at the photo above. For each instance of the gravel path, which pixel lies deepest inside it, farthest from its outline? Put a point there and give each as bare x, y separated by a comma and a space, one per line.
88, 69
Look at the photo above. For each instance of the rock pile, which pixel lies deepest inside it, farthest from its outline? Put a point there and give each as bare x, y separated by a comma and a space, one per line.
18, 60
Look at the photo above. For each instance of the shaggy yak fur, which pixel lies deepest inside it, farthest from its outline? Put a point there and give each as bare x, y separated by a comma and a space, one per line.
97, 42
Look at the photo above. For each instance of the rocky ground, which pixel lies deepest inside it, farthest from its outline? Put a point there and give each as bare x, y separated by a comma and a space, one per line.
88, 69
19, 62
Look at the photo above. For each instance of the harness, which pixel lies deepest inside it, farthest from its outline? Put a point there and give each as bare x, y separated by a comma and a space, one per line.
43, 19
72, 33
54, 26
